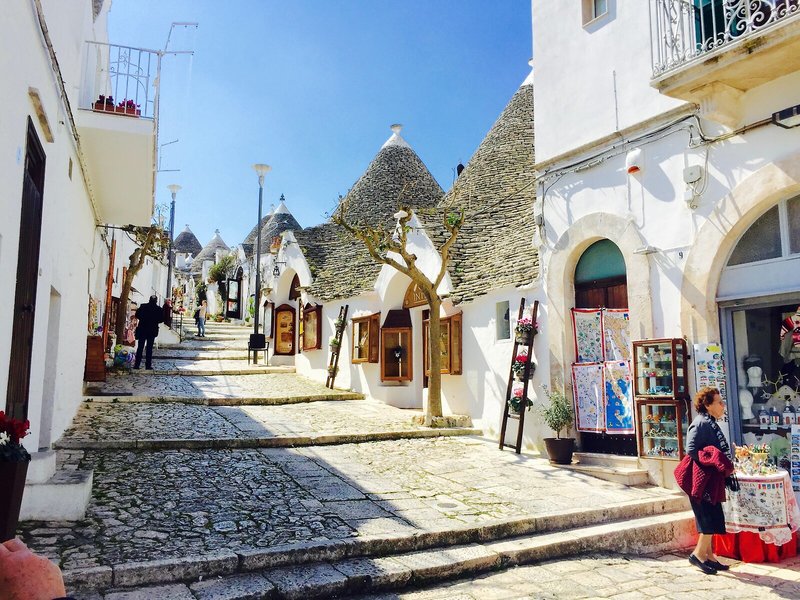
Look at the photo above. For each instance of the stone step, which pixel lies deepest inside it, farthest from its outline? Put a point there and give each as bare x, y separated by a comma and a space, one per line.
375, 563
63, 497
606, 460
621, 475
226, 401
244, 370
200, 355
276, 441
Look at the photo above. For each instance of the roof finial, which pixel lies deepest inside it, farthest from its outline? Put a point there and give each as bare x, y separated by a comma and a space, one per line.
216, 231
396, 128
282, 198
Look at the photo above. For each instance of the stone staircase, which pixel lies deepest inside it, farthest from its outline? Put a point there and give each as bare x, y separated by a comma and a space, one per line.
383, 563
620, 469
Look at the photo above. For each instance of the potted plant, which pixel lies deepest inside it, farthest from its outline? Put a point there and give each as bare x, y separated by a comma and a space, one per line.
515, 402
525, 330
518, 365
338, 323
333, 343
128, 107
558, 416
13, 469
332, 370
104, 104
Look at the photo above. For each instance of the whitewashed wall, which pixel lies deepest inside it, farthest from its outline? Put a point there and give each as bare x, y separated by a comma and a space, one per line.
73, 256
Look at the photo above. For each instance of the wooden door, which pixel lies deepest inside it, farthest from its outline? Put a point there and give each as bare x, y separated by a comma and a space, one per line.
30, 230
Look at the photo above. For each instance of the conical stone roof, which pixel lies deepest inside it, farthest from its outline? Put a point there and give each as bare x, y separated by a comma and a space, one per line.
250, 240
497, 191
187, 243
280, 221
341, 265
209, 252
395, 176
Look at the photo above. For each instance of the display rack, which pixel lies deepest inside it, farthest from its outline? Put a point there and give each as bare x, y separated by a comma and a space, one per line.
661, 397
333, 365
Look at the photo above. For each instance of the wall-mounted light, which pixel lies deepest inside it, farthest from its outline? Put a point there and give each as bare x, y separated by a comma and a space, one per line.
276, 270
787, 118
646, 250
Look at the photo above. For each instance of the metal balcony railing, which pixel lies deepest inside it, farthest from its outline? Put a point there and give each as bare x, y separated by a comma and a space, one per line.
120, 80
685, 30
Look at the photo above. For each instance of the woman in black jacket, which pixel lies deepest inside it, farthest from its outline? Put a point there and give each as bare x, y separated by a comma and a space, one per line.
709, 517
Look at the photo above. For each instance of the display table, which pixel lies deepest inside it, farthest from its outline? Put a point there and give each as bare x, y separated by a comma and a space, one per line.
761, 518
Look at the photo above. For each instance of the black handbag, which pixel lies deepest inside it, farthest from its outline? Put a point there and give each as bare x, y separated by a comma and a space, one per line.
732, 483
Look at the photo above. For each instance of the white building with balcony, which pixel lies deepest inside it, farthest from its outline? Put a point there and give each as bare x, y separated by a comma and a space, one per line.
74, 165
668, 164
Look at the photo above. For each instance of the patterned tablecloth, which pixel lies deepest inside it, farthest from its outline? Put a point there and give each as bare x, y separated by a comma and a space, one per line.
766, 505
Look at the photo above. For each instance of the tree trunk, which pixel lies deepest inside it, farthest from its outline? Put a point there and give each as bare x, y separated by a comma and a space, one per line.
435, 360
122, 308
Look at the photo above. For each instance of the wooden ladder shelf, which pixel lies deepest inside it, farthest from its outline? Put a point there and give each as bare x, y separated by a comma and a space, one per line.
507, 414
333, 365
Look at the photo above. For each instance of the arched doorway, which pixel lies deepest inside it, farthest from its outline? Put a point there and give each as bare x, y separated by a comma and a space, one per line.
601, 282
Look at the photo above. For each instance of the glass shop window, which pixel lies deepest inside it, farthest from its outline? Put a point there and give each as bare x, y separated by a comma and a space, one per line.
501, 321
767, 368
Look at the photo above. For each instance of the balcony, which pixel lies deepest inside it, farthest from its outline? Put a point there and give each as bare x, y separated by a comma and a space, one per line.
116, 122
712, 51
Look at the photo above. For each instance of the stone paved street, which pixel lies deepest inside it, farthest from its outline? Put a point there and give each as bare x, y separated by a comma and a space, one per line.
619, 577
106, 421
274, 385
149, 505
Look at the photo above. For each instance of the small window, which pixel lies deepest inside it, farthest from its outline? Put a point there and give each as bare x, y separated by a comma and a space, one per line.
593, 9
793, 218
397, 359
502, 323
449, 345
365, 339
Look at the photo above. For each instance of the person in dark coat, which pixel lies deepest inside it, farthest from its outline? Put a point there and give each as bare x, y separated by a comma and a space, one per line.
168, 312
149, 316
702, 433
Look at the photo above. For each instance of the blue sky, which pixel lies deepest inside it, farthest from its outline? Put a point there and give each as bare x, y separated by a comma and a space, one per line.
311, 87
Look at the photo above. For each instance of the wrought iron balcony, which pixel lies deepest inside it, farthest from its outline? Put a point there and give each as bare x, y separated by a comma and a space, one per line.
684, 31
120, 80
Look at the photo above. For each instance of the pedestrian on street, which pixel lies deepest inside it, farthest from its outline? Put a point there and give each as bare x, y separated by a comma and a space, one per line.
702, 475
168, 312
201, 319
149, 316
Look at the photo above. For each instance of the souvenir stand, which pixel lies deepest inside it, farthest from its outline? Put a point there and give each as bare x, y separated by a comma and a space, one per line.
762, 517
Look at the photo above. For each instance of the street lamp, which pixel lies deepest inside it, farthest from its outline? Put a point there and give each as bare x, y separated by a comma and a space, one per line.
257, 340
174, 189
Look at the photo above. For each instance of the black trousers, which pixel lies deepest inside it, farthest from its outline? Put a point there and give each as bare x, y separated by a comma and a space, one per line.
148, 357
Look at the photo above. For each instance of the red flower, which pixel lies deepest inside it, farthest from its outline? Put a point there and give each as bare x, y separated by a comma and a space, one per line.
15, 428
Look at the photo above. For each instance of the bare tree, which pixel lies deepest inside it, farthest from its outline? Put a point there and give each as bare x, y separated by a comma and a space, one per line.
387, 245
151, 242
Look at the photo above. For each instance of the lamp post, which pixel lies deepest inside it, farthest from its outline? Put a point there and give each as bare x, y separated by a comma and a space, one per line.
255, 340
174, 189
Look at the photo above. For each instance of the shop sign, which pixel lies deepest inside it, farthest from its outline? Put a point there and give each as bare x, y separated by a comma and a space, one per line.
414, 297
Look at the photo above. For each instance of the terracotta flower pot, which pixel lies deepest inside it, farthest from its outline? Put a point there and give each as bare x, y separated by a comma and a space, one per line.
523, 337
12, 482
560, 450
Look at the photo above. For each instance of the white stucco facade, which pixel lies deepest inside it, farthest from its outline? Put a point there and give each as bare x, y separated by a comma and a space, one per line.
674, 253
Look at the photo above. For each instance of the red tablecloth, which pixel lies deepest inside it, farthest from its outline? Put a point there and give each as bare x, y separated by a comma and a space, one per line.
749, 547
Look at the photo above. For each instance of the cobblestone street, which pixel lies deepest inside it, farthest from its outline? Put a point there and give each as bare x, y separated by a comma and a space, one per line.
192, 471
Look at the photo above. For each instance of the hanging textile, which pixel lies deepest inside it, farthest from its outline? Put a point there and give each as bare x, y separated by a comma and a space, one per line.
618, 396
587, 330
587, 386
616, 334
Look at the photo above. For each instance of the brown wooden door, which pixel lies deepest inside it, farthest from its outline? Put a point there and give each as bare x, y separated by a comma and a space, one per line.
30, 230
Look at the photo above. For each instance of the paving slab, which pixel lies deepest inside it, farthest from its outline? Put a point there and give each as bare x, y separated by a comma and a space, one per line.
212, 366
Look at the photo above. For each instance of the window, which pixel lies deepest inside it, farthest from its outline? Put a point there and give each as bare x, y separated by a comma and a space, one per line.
365, 339
449, 345
284, 330
502, 324
312, 327
396, 363
593, 9
775, 234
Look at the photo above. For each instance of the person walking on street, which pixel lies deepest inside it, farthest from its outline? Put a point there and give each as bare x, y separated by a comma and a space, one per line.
168, 312
201, 319
149, 316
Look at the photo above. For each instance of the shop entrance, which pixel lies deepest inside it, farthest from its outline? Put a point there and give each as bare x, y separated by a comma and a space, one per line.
601, 282
760, 318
